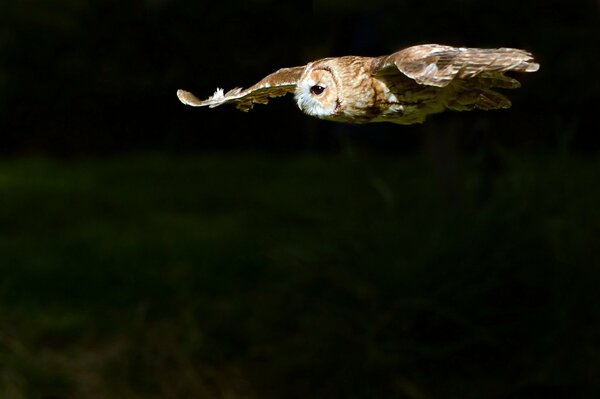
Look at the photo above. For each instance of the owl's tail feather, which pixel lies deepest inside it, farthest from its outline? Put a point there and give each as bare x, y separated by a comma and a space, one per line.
489, 99
478, 98
498, 79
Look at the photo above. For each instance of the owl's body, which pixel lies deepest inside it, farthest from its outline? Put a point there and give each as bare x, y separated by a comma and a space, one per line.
402, 88
363, 98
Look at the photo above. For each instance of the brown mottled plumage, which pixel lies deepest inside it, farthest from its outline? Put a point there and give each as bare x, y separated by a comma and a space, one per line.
403, 87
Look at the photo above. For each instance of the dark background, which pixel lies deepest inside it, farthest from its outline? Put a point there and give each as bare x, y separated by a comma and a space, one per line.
153, 250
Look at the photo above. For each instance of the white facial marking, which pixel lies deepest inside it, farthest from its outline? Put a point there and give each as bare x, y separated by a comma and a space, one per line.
308, 102
314, 102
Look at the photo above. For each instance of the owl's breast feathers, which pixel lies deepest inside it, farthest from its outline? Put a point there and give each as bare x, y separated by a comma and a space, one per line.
360, 97
365, 96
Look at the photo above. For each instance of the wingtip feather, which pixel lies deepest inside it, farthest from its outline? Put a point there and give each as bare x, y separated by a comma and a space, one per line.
532, 67
188, 98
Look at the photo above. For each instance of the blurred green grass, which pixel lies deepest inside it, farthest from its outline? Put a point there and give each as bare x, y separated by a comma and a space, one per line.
345, 276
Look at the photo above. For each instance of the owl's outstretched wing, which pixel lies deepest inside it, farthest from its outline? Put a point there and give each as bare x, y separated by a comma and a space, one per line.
277, 84
437, 65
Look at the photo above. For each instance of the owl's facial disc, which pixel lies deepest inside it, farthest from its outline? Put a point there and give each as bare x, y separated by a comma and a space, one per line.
316, 93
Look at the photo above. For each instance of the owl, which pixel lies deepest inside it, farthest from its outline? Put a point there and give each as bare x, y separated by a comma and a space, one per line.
404, 87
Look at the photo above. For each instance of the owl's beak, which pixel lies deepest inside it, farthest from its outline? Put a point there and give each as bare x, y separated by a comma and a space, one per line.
299, 101
296, 98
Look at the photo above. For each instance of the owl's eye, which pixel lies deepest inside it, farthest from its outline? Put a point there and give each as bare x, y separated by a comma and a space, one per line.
317, 90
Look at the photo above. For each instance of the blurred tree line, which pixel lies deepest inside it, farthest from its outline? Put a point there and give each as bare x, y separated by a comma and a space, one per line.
100, 76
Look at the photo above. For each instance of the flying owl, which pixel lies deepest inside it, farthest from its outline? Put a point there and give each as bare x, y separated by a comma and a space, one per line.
403, 87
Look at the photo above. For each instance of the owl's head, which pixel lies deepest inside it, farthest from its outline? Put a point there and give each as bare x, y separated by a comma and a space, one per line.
317, 91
